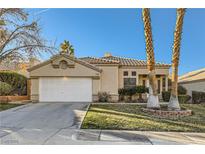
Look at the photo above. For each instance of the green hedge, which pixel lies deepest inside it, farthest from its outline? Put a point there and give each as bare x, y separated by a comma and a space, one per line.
182, 98
166, 96
182, 90
124, 92
5, 88
17, 81
132, 90
198, 97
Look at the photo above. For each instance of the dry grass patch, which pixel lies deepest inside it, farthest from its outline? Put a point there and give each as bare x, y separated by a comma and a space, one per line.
131, 117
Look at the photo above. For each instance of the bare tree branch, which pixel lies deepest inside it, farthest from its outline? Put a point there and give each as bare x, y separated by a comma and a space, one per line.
20, 38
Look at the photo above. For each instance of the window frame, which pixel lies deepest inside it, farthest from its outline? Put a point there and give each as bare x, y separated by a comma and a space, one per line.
130, 84
134, 73
126, 73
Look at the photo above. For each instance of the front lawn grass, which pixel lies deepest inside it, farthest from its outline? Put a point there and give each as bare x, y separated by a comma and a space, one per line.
131, 117
5, 106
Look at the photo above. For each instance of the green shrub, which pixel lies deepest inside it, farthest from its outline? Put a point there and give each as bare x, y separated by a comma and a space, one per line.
183, 98
198, 97
141, 89
5, 89
166, 96
103, 97
130, 91
182, 90
121, 92
127, 93
17, 81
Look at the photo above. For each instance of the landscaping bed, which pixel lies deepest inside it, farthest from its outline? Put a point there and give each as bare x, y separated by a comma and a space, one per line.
131, 117
5, 106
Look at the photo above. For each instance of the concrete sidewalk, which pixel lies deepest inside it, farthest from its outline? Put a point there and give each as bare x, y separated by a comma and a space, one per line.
112, 137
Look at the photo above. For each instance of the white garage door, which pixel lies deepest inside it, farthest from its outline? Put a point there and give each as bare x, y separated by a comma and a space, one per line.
64, 89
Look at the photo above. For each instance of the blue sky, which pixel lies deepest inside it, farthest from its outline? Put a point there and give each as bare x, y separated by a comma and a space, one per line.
120, 31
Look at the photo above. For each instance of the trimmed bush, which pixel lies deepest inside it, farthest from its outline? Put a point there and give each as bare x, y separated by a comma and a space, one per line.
103, 97
183, 98
17, 81
198, 97
182, 90
141, 89
127, 93
166, 96
121, 92
5, 89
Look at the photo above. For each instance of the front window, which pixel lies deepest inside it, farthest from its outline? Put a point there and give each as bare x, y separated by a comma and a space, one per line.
125, 73
129, 82
133, 73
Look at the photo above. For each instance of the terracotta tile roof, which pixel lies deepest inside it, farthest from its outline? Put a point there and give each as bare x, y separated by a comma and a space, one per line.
121, 61
193, 76
93, 60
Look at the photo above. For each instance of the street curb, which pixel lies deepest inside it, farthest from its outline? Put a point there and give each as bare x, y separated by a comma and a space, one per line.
16, 108
84, 116
107, 103
137, 131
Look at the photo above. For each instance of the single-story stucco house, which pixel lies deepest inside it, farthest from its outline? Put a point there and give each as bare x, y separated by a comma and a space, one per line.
193, 81
64, 78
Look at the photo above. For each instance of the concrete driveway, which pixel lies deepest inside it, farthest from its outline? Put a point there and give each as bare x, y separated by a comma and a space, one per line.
37, 123
58, 123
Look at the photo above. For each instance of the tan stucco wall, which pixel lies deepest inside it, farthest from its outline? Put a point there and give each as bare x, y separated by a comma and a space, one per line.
194, 86
109, 79
96, 86
34, 89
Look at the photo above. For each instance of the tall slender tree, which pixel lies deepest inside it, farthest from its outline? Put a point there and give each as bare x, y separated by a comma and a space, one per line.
174, 103
153, 100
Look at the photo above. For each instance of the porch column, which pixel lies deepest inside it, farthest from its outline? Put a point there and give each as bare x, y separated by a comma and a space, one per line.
166, 83
137, 79
147, 83
161, 85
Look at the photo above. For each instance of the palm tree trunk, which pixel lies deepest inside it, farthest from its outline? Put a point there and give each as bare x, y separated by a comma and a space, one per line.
153, 100
174, 103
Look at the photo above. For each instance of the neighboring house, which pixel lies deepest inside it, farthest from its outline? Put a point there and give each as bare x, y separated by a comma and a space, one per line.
193, 81
68, 79
19, 67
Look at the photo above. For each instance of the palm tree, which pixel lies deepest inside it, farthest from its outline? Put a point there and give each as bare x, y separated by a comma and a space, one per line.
67, 48
174, 103
153, 100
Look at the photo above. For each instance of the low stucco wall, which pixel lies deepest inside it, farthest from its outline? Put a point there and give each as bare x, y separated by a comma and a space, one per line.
13, 98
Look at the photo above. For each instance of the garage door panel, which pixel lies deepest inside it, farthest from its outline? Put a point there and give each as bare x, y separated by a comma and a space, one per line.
65, 89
